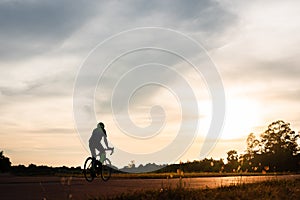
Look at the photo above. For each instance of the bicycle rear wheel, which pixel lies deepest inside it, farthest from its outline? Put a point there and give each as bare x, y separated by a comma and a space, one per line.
106, 170
89, 170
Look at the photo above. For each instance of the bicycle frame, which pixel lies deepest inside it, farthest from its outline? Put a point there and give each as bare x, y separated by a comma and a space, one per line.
102, 155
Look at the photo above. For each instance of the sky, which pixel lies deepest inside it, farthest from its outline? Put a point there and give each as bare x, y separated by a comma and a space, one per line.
52, 91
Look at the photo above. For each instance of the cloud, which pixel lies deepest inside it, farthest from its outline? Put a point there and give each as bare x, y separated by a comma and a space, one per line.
205, 16
198, 17
33, 27
261, 59
47, 86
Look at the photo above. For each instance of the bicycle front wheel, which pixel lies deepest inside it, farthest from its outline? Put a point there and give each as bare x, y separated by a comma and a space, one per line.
106, 170
89, 170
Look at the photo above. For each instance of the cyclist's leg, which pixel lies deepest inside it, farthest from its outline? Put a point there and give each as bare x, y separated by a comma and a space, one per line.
93, 153
93, 150
101, 150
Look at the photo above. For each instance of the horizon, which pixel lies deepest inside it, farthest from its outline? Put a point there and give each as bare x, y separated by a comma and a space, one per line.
47, 116
224, 159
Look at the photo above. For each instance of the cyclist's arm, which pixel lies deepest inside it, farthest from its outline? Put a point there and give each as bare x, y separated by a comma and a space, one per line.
105, 141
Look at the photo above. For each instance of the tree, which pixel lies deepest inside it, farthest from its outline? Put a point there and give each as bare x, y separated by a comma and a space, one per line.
131, 164
279, 137
252, 145
276, 150
249, 161
232, 158
279, 147
5, 164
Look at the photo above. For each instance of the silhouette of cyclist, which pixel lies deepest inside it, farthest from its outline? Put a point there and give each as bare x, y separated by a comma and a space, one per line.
95, 140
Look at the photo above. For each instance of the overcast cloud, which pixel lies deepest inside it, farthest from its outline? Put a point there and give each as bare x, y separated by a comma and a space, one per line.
29, 28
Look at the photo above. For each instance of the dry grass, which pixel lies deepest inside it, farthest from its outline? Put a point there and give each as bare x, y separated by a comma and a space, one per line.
185, 175
273, 190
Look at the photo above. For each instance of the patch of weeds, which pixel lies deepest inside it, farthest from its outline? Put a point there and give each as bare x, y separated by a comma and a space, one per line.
275, 190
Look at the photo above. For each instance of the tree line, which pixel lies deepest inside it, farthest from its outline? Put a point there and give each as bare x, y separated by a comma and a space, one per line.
276, 150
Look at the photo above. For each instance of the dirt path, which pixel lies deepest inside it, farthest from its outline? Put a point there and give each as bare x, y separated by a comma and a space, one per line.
78, 188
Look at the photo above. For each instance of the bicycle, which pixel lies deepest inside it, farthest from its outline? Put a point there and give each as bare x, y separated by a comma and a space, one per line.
94, 167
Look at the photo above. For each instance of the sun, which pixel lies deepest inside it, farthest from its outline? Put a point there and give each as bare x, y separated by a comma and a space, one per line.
242, 115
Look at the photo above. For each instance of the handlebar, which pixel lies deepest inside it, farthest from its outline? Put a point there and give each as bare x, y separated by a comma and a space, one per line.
110, 149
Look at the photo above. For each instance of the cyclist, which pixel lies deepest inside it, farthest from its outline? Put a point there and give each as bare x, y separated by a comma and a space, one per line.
95, 140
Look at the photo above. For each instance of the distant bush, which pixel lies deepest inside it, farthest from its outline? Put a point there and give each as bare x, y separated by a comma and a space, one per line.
5, 164
34, 170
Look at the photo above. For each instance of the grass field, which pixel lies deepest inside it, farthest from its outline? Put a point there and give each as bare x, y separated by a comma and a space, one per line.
272, 190
175, 175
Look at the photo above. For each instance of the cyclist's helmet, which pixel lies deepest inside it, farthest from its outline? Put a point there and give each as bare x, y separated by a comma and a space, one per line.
100, 124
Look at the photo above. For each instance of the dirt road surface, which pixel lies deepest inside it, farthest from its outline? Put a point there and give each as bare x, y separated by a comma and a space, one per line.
12, 187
